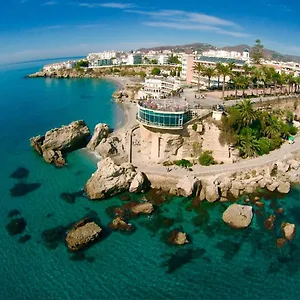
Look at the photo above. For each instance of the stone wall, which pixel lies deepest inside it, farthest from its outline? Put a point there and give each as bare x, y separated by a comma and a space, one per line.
163, 145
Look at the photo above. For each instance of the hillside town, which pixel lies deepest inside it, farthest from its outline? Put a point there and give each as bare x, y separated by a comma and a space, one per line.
181, 103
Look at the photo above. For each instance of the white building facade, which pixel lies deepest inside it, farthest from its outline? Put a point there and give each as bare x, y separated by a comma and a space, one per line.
159, 87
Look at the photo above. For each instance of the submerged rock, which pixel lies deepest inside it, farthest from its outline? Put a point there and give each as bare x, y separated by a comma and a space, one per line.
19, 173
109, 179
143, 208
22, 189
281, 242
288, 230
13, 213
269, 222
58, 141
238, 216
69, 198
178, 238
16, 226
101, 131
25, 238
82, 234
119, 224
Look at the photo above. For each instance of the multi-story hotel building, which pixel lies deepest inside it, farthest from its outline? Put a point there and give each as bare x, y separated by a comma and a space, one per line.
159, 87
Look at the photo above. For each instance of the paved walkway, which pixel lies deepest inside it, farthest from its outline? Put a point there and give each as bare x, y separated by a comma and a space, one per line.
199, 170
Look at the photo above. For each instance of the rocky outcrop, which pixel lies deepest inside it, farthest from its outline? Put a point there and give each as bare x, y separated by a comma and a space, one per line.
211, 193
238, 216
187, 186
59, 141
110, 147
288, 230
109, 179
284, 187
54, 157
119, 224
143, 208
140, 183
178, 238
82, 234
101, 131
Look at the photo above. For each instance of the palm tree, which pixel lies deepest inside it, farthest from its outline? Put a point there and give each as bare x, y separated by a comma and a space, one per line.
297, 83
257, 77
224, 71
275, 77
209, 73
247, 113
218, 68
198, 68
248, 143
290, 81
239, 81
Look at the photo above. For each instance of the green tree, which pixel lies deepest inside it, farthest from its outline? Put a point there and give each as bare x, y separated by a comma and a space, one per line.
173, 59
257, 53
206, 158
154, 61
155, 71
224, 71
248, 143
198, 68
247, 113
81, 64
209, 73
240, 82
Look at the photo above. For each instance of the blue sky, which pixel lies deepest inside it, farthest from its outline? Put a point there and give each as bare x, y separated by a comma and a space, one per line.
36, 29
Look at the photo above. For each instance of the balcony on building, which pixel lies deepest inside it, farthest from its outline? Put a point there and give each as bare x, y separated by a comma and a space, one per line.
170, 113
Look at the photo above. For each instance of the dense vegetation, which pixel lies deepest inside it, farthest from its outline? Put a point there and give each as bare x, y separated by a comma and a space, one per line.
255, 132
206, 158
82, 64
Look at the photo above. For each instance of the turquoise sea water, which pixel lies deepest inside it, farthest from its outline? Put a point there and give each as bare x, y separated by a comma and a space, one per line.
219, 263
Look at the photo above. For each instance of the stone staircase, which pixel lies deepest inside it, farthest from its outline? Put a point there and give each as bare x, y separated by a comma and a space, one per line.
211, 143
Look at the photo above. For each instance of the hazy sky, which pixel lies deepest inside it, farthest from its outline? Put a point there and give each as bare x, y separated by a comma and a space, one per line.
36, 29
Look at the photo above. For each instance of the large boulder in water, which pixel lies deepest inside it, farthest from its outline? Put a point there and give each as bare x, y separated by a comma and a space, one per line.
187, 185
140, 183
238, 216
111, 146
82, 234
58, 141
109, 179
143, 208
101, 131
288, 230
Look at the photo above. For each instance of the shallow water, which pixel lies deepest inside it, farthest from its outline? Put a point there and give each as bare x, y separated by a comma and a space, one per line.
219, 263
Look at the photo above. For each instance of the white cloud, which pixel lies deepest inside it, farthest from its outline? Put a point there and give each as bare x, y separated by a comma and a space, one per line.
108, 5
50, 3
184, 20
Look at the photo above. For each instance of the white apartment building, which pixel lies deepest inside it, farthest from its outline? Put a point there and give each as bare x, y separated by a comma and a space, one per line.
134, 59
159, 87
59, 66
228, 54
102, 55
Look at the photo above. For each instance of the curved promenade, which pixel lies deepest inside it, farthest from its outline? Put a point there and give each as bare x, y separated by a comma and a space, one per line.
198, 170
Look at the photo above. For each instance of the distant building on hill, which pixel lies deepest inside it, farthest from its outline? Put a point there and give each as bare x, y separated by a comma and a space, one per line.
134, 59
228, 54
